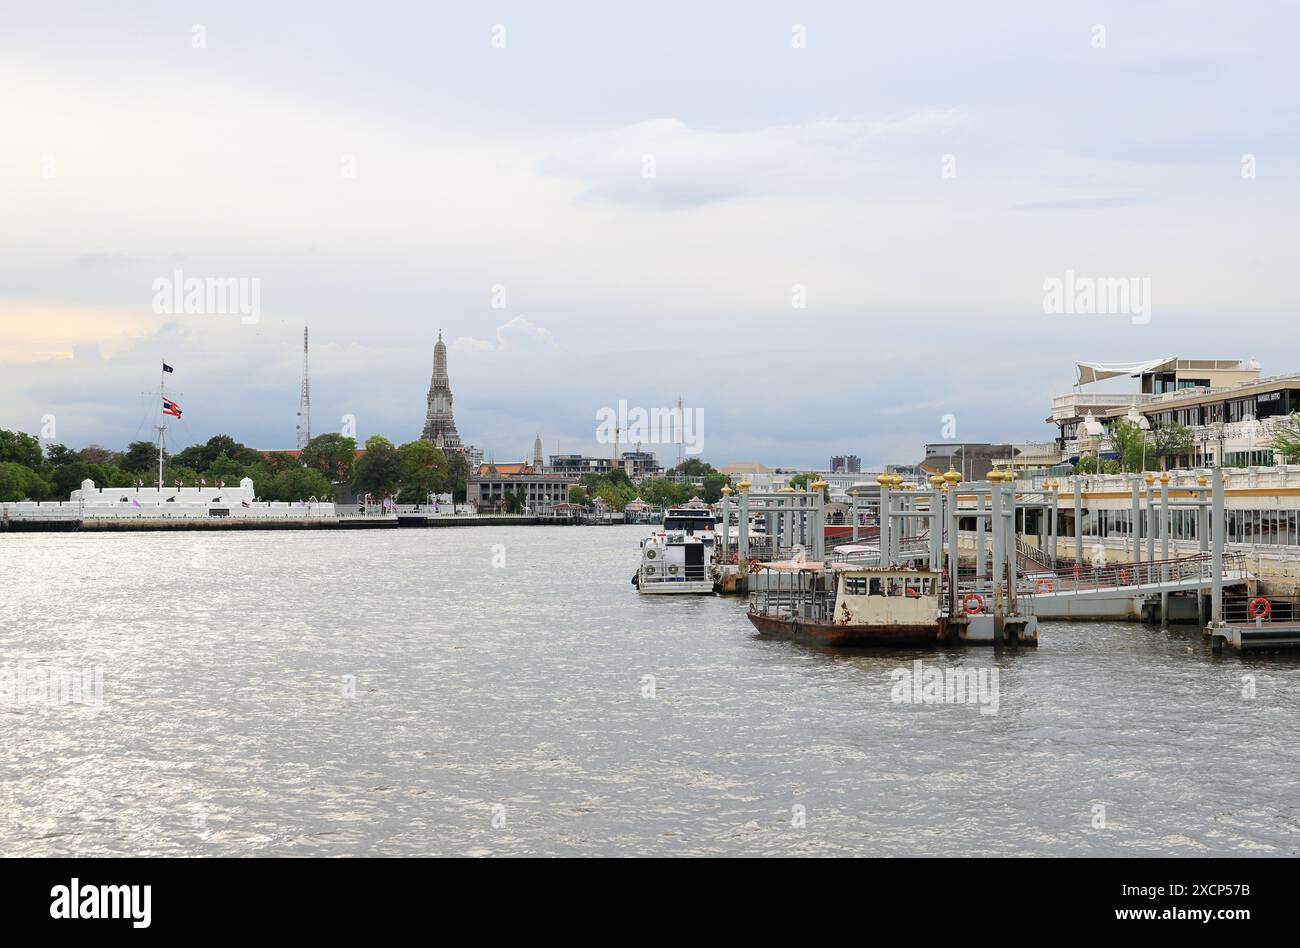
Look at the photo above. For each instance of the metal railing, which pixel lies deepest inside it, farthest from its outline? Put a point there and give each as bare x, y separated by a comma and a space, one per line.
1083, 578
784, 604
1280, 609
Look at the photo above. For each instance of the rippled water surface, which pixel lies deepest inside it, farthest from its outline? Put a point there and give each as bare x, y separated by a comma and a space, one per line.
392, 692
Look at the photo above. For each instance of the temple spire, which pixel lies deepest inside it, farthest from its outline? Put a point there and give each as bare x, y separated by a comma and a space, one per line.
439, 424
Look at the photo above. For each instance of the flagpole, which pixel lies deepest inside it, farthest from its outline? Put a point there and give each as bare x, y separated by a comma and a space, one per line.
162, 394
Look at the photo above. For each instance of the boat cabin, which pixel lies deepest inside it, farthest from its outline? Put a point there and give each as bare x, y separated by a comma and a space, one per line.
882, 596
849, 594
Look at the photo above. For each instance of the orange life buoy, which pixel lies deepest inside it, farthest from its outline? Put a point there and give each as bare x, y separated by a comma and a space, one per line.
1260, 608
977, 600
1043, 585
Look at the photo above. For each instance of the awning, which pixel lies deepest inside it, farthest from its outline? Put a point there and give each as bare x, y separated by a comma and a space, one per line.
1096, 371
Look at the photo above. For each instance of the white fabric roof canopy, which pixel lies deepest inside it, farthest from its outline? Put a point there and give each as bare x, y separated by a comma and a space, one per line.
1096, 371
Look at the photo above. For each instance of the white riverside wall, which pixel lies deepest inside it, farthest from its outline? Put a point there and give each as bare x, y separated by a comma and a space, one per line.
169, 503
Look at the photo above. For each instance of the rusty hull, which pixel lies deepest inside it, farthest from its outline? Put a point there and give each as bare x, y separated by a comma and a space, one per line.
852, 636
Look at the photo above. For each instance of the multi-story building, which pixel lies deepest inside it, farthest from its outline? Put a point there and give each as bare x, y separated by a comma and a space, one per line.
973, 459
578, 465
488, 486
1229, 410
641, 464
846, 464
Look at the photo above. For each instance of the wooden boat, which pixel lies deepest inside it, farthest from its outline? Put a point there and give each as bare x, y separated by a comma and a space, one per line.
847, 606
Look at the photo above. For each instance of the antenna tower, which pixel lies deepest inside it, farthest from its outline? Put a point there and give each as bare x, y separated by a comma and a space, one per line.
304, 400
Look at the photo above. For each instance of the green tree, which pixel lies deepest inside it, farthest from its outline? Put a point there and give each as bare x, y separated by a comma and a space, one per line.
1286, 439
423, 470
379, 470
20, 448
141, 457
298, 483
59, 455
1171, 441
20, 482
713, 484
1128, 441
662, 492
199, 457
457, 478
98, 454
226, 469
332, 454
694, 467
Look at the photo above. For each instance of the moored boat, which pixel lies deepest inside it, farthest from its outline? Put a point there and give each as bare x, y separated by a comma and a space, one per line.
678, 558
847, 606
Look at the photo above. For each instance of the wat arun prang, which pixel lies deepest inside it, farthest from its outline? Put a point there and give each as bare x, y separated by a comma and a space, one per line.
439, 425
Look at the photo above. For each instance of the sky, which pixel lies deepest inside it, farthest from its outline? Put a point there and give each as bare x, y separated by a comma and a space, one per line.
825, 226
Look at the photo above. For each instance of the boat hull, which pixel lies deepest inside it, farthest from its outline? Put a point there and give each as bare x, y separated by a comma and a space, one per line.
920, 635
679, 588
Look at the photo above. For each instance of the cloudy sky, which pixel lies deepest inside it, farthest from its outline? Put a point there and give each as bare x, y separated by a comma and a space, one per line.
826, 225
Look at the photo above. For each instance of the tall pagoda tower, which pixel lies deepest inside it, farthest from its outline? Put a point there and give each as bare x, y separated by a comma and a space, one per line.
439, 425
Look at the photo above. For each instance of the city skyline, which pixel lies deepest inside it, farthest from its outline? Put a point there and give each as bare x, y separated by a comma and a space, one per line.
838, 199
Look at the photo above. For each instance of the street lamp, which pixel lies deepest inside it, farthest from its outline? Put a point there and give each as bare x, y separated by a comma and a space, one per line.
1135, 417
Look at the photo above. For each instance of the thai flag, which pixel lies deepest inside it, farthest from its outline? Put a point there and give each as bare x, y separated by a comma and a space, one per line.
171, 408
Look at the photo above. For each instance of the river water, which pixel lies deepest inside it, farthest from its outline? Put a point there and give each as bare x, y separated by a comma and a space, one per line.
505, 691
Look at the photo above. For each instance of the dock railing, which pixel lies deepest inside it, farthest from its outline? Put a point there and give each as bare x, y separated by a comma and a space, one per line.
1084, 578
1244, 610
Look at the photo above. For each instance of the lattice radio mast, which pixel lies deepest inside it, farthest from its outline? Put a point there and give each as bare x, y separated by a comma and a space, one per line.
304, 400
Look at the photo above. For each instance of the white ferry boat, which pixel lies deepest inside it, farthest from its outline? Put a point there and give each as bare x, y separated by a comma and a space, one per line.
677, 559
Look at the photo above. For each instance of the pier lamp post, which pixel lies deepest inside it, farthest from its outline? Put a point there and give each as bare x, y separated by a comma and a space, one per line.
899, 535
951, 479
936, 523
1151, 517
816, 519
853, 511
1052, 524
742, 540
726, 520
1164, 547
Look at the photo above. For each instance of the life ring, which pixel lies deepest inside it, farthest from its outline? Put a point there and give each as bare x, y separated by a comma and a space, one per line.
1043, 585
756, 565
978, 602
1256, 612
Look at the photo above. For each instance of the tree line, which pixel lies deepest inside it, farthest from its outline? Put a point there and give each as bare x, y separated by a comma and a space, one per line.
409, 472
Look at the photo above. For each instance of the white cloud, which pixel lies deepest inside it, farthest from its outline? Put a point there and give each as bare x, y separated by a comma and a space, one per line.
664, 162
519, 334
